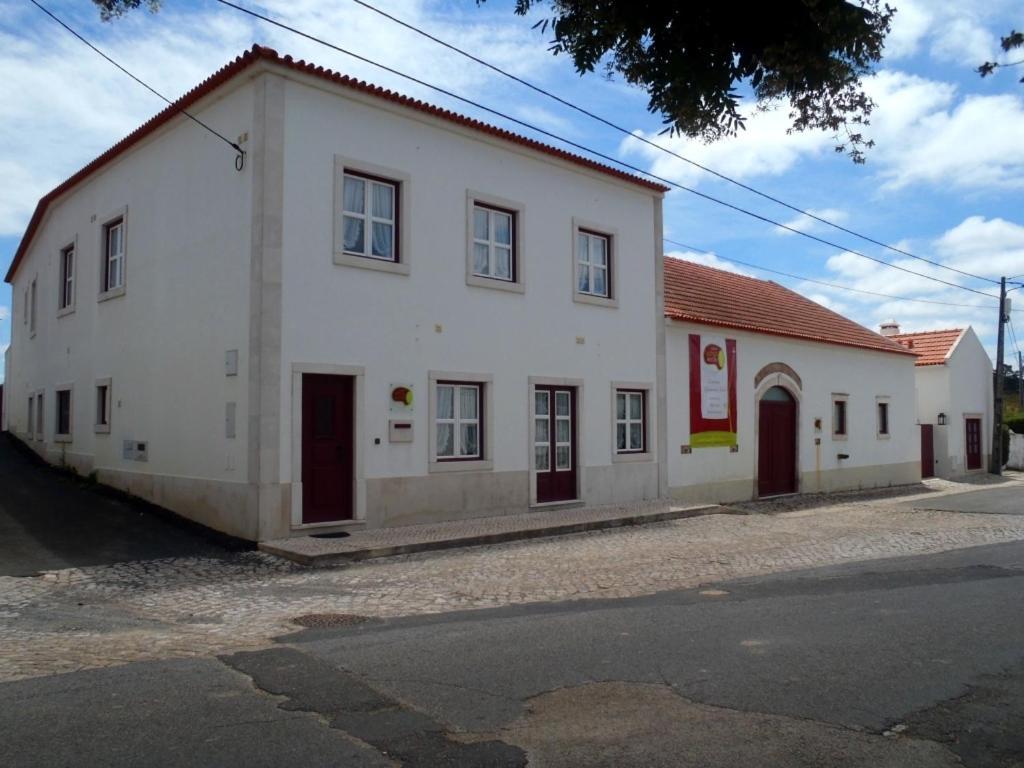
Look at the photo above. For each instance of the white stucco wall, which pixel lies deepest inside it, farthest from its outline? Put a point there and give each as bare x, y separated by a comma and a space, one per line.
970, 394
399, 327
716, 474
960, 387
188, 216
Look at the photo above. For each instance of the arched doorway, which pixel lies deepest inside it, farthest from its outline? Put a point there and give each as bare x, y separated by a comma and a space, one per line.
776, 443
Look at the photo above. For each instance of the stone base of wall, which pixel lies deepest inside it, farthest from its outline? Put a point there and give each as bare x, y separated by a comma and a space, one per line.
833, 480
217, 504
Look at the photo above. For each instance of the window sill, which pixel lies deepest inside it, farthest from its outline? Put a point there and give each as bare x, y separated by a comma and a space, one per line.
482, 465
101, 429
629, 458
62, 438
495, 283
368, 262
840, 438
598, 301
66, 311
883, 437
113, 293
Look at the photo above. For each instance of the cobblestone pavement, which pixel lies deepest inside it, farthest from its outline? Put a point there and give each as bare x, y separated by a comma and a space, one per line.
79, 618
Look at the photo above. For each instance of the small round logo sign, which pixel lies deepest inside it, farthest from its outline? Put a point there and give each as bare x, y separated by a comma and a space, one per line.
714, 355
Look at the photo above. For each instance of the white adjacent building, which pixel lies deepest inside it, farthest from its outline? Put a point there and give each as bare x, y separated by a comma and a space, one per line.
770, 393
954, 399
390, 314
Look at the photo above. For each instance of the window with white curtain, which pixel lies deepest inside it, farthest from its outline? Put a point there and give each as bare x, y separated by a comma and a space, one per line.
630, 421
369, 217
67, 278
458, 421
593, 261
494, 243
113, 246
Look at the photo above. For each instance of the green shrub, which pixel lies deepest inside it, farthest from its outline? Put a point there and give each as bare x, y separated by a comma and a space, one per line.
1016, 424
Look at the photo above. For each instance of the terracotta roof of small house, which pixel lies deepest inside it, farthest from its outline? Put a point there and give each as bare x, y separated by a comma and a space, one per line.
261, 53
709, 296
931, 347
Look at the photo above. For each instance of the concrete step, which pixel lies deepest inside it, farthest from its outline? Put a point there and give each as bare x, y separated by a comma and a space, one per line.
385, 542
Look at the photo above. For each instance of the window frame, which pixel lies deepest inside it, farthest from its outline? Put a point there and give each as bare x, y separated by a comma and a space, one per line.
65, 294
369, 218
58, 435
107, 291
401, 183
845, 400
628, 421
590, 236
484, 384
40, 428
476, 199
611, 237
881, 403
33, 307
457, 420
649, 426
31, 431
492, 244
102, 428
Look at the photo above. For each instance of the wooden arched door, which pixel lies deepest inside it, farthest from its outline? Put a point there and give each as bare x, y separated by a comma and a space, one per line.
776, 443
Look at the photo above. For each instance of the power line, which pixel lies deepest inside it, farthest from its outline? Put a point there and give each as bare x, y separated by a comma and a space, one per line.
151, 89
588, 150
655, 145
819, 282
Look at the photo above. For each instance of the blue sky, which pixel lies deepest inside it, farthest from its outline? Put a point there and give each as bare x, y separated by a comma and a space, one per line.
945, 180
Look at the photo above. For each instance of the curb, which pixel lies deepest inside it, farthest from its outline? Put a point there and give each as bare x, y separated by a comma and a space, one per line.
327, 559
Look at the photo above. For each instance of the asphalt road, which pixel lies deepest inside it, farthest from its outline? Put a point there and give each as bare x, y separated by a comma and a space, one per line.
908, 662
51, 519
996, 501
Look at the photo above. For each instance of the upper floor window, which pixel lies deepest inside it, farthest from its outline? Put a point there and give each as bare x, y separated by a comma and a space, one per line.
494, 246
370, 217
113, 252
593, 264
67, 278
32, 307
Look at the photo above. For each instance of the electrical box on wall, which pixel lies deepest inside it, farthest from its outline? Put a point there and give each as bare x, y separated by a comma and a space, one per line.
231, 362
135, 450
399, 431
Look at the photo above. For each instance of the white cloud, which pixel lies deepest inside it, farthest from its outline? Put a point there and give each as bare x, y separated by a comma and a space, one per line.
709, 260
5, 313
957, 32
763, 149
984, 246
802, 223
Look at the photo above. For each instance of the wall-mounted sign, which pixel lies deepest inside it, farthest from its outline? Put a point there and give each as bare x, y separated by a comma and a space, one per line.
400, 398
713, 413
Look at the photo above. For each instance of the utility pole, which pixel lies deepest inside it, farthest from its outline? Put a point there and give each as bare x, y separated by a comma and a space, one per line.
1020, 378
996, 462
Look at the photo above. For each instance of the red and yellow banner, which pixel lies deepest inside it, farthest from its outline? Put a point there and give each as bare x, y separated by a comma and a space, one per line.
713, 414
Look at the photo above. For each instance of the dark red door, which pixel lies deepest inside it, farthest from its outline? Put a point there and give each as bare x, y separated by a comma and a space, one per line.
554, 443
776, 444
973, 427
328, 448
927, 451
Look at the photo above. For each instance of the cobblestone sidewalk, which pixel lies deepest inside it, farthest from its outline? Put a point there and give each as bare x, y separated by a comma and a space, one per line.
94, 617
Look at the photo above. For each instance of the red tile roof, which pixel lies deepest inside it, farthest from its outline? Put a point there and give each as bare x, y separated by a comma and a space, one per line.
260, 53
931, 347
709, 296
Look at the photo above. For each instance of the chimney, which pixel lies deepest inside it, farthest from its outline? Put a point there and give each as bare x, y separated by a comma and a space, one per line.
889, 328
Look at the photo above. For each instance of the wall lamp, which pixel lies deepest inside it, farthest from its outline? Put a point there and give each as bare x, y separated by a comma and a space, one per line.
942, 419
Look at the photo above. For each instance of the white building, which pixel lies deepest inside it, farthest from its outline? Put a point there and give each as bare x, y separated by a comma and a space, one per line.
770, 393
391, 314
954, 399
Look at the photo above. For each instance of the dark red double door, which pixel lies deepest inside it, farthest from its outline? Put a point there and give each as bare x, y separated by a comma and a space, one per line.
972, 428
328, 448
554, 443
776, 444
